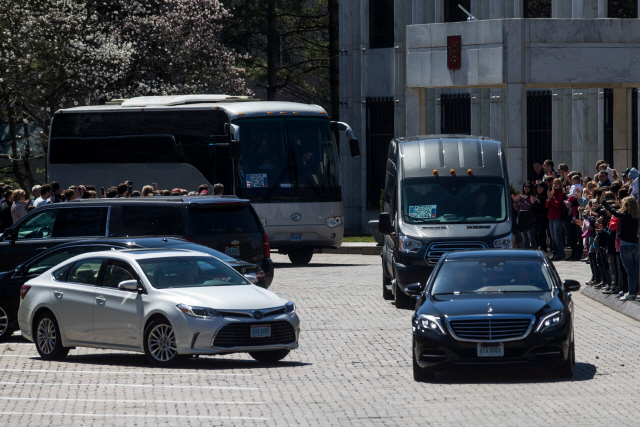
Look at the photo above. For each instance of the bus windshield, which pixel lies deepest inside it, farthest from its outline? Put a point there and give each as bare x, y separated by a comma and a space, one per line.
283, 157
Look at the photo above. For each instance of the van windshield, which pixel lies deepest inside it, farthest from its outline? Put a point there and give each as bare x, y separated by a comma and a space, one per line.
454, 200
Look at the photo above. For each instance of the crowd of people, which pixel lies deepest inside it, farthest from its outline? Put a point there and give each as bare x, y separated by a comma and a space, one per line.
560, 209
16, 203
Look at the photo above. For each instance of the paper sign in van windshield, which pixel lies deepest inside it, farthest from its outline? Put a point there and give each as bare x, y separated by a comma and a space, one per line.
256, 180
422, 211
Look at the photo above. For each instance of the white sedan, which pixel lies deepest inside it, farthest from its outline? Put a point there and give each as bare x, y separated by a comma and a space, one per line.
165, 303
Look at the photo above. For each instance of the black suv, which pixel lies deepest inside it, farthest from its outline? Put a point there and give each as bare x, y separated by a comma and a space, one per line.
228, 225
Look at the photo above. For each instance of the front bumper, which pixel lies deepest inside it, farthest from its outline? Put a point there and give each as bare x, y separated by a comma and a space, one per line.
196, 336
442, 351
314, 236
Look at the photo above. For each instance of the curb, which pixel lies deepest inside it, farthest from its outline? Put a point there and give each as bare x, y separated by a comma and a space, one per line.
629, 308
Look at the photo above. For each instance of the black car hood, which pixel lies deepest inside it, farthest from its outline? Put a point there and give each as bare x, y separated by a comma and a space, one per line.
508, 303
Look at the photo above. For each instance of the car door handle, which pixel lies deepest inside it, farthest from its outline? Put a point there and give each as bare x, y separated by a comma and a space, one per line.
58, 294
41, 249
100, 299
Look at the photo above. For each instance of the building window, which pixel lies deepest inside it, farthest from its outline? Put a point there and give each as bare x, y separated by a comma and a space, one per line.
452, 13
381, 20
623, 9
539, 122
537, 8
608, 126
455, 117
380, 131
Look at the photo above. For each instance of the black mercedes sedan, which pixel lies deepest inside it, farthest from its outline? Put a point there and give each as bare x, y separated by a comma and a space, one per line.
12, 281
493, 307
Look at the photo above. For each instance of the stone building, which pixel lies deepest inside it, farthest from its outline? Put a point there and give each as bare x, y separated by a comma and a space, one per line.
549, 78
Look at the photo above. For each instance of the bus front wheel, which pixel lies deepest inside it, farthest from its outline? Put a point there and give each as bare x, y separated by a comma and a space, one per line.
301, 256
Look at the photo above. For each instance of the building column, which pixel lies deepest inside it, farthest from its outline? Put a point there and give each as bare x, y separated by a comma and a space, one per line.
518, 9
415, 111
591, 141
557, 124
517, 133
600, 128
438, 115
567, 127
497, 115
430, 111
603, 7
485, 113
579, 120
496, 9
621, 128
475, 111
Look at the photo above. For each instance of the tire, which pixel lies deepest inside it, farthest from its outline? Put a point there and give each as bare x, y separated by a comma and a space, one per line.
5, 330
565, 370
160, 343
401, 299
301, 256
421, 374
386, 294
48, 338
269, 356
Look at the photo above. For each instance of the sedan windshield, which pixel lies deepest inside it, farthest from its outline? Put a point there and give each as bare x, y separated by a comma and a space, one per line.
187, 272
491, 275
454, 200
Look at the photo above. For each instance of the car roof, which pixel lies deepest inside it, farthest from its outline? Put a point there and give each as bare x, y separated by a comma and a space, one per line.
196, 200
495, 253
145, 253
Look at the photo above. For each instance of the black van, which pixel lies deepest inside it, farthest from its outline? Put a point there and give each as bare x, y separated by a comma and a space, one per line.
228, 225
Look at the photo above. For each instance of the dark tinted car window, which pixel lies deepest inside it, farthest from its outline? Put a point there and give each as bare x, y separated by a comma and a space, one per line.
118, 271
38, 226
238, 219
491, 275
52, 259
61, 273
145, 221
82, 222
85, 271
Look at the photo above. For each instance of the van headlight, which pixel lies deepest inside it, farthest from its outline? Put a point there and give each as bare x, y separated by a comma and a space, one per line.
505, 242
408, 245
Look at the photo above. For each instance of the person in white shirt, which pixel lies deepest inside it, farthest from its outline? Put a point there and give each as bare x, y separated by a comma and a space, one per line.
45, 193
35, 190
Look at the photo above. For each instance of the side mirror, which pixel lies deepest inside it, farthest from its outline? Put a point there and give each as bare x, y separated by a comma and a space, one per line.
355, 147
571, 285
233, 131
128, 285
413, 290
10, 234
384, 224
251, 277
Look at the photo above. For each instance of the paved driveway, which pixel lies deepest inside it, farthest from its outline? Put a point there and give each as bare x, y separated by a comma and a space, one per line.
353, 368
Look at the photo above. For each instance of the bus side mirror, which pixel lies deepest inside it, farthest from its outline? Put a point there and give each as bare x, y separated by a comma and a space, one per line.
233, 131
355, 147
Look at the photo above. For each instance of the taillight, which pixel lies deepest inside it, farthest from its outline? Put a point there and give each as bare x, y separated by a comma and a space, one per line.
190, 239
267, 246
23, 291
260, 275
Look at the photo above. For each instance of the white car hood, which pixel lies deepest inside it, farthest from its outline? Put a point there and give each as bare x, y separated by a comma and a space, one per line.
239, 297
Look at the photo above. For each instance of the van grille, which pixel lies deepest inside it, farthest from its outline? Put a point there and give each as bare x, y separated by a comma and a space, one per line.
490, 328
239, 335
437, 249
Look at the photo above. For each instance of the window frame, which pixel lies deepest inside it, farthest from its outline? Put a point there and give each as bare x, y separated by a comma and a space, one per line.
98, 277
103, 275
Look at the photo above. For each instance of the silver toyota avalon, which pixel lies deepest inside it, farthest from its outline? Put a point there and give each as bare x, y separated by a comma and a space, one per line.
166, 303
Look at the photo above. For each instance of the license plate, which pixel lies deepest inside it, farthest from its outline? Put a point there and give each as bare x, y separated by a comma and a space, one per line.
295, 237
260, 331
232, 251
491, 350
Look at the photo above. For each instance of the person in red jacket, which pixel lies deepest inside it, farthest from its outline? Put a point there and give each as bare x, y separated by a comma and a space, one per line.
554, 204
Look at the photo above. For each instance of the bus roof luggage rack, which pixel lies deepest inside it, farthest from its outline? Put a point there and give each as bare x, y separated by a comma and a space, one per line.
150, 101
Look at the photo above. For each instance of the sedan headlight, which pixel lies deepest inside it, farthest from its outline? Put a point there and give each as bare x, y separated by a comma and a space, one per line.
408, 245
290, 307
429, 323
334, 221
199, 312
550, 321
506, 242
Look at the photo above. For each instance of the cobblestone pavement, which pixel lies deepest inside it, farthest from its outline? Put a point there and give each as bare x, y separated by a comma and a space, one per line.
353, 368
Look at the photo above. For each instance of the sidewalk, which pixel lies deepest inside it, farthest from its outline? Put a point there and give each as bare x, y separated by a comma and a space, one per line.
630, 308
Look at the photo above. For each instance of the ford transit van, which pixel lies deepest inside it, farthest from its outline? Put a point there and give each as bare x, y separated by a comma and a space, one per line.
442, 193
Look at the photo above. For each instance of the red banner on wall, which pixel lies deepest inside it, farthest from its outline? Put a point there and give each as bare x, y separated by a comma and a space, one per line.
454, 52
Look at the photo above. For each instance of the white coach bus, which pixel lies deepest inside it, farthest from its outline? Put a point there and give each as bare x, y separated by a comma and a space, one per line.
280, 155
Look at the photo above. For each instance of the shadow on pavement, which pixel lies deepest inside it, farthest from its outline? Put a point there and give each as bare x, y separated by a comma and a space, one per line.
503, 375
312, 265
136, 360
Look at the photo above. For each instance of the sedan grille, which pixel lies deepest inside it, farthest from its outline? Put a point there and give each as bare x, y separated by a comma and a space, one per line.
490, 328
436, 250
239, 335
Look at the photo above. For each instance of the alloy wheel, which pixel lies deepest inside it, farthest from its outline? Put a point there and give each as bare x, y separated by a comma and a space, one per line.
46, 336
4, 321
162, 343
